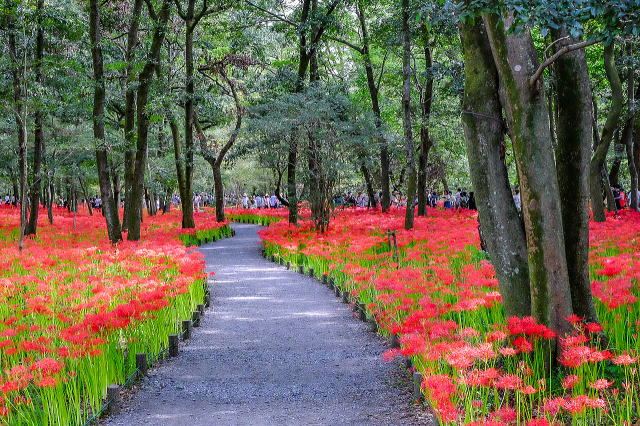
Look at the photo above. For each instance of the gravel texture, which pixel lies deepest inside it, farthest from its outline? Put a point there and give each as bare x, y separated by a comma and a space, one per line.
275, 347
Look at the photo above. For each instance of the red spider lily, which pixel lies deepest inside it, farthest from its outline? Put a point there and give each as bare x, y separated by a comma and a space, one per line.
71, 296
440, 294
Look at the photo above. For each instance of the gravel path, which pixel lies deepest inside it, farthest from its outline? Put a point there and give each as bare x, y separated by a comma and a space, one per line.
275, 347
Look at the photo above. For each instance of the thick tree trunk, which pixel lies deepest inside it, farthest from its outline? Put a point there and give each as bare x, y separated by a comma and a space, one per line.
130, 108
385, 200
516, 60
142, 119
406, 115
484, 135
426, 100
187, 214
110, 210
38, 148
600, 153
573, 154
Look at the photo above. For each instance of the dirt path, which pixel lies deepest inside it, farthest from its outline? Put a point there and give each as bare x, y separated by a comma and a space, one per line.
275, 347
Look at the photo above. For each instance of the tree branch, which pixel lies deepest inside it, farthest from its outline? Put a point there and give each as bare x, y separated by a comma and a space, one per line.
566, 49
274, 15
180, 11
347, 43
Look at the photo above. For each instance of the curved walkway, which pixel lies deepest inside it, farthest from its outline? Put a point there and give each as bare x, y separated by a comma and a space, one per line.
275, 347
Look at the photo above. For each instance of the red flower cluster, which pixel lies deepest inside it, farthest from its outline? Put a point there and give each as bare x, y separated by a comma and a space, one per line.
439, 293
74, 310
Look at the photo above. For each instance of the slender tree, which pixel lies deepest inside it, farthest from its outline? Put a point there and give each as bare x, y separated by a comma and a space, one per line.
109, 207
38, 148
407, 122
142, 120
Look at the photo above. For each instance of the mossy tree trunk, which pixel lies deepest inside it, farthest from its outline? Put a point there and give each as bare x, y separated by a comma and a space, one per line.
600, 153
525, 104
484, 135
573, 153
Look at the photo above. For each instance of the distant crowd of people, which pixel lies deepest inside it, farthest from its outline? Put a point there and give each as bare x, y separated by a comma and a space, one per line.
461, 199
260, 202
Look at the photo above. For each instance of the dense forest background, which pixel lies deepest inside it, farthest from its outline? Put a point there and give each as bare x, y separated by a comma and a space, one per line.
196, 88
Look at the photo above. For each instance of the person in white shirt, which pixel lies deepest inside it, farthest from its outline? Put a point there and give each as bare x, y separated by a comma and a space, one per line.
245, 201
516, 199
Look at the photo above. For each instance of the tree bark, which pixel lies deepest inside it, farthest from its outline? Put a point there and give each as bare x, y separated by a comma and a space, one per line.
191, 23
516, 60
600, 153
130, 109
110, 210
385, 200
218, 189
484, 135
426, 100
573, 154
50, 197
85, 194
629, 139
406, 115
292, 157
369, 185
38, 148
20, 116
142, 122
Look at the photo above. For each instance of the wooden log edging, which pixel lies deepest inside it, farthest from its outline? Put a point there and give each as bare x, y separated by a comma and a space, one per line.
113, 400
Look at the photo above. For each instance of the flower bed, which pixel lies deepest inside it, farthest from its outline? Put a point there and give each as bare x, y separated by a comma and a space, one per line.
263, 217
75, 311
437, 291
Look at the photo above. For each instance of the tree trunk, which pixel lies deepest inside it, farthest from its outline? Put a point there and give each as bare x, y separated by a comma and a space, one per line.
187, 213
629, 140
110, 210
573, 154
85, 194
369, 184
385, 200
406, 115
38, 148
503, 233
142, 118
619, 150
218, 188
600, 153
292, 158
426, 100
20, 116
516, 60
50, 197
130, 108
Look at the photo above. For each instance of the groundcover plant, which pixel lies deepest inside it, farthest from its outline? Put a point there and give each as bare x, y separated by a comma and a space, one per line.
435, 289
75, 310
